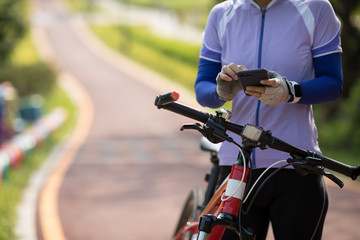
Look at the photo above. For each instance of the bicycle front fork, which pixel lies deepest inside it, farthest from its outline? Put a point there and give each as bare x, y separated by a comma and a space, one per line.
217, 226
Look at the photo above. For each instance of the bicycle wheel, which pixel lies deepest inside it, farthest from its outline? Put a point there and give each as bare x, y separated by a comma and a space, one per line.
191, 210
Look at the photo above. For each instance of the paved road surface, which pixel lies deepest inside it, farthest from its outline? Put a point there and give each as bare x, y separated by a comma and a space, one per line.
131, 174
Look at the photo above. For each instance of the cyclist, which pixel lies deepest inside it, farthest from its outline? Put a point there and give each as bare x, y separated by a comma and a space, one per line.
294, 38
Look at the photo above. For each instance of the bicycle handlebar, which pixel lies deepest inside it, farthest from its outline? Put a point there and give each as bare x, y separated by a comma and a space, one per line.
167, 101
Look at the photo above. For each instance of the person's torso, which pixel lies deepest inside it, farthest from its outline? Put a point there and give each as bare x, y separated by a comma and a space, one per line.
277, 38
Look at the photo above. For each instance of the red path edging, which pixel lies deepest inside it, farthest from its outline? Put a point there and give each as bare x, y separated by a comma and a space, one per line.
14, 150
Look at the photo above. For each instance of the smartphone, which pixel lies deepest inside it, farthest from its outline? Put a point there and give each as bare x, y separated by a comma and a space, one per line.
252, 77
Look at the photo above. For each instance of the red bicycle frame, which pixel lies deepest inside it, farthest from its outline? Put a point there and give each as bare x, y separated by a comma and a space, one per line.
222, 210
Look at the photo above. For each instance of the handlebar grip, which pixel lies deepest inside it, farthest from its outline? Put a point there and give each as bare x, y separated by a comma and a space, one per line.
166, 98
187, 112
339, 167
167, 101
356, 172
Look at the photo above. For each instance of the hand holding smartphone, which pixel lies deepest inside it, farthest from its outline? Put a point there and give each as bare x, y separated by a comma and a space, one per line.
252, 77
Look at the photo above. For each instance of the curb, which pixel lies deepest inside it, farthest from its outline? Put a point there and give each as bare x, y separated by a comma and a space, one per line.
29, 210
14, 150
25, 228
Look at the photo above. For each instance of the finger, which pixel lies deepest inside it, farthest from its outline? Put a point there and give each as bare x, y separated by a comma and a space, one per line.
252, 93
225, 77
242, 67
270, 82
231, 70
235, 68
260, 90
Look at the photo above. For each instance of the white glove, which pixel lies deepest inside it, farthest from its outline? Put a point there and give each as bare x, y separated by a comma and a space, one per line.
276, 93
227, 82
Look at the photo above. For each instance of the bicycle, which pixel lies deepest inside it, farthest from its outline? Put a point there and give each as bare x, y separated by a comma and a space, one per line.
221, 207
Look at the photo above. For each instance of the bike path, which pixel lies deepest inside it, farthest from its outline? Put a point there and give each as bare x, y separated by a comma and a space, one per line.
133, 169
126, 178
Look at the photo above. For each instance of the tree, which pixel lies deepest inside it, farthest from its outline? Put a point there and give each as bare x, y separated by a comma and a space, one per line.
350, 36
12, 26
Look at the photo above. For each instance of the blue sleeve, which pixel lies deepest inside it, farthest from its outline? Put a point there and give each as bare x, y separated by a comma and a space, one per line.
327, 84
205, 84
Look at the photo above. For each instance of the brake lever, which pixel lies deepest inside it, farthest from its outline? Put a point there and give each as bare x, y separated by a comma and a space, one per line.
311, 165
196, 126
321, 171
333, 178
209, 131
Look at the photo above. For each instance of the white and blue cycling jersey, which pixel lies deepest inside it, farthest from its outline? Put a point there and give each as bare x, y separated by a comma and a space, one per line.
299, 39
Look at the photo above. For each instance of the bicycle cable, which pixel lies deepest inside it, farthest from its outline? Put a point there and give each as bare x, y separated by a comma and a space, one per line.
262, 185
241, 154
249, 192
262, 174
242, 177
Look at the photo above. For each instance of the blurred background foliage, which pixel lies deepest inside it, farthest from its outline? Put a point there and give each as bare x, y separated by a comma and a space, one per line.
36, 78
21, 66
12, 26
19, 62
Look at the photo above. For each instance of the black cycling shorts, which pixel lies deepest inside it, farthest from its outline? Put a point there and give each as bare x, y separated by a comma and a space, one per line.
295, 206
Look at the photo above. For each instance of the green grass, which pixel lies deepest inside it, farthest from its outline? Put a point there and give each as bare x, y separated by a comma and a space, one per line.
175, 60
194, 12
81, 5
24, 53
199, 7
183, 5
339, 136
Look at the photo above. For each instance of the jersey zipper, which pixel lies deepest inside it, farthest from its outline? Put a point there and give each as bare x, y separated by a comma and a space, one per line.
263, 10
